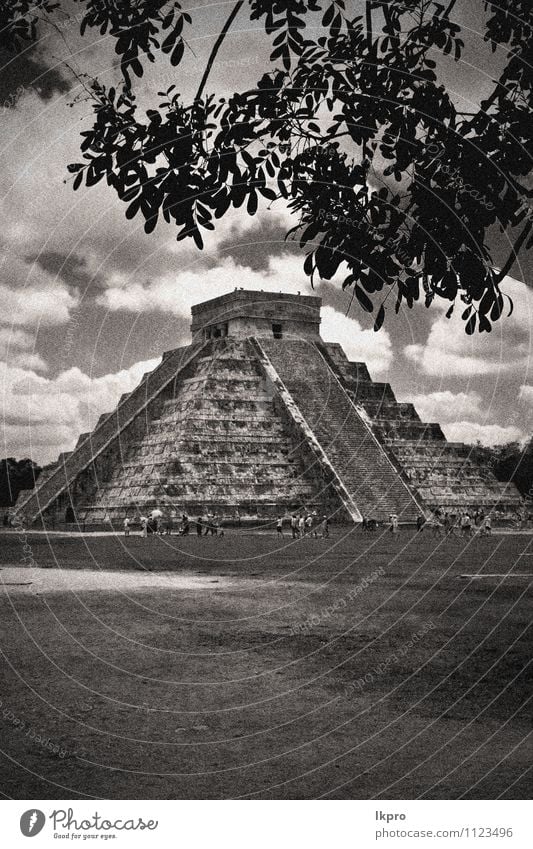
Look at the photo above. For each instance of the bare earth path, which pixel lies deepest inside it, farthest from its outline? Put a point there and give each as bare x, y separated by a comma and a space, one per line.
359, 667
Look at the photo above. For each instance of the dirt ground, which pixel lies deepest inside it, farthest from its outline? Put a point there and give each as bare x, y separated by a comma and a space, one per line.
356, 667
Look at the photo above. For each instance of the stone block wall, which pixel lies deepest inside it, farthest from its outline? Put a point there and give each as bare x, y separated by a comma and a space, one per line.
443, 474
219, 443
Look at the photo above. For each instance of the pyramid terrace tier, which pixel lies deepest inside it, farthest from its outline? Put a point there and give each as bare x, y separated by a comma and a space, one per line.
218, 443
442, 474
261, 417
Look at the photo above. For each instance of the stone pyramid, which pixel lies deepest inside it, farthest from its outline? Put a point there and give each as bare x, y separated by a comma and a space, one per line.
257, 417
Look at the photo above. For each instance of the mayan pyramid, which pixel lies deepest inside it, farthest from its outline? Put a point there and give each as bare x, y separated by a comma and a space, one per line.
259, 416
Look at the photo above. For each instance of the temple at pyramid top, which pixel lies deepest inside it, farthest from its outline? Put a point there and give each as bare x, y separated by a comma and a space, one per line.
244, 312
260, 417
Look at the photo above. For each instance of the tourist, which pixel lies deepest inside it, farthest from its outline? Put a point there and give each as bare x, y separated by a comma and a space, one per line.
309, 524
453, 524
208, 523
199, 526
144, 526
184, 525
301, 526
466, 524
294, 526
126, 527
437, 525
169, 525
487, 526
214, 525
394, 524
325, 527
279, 526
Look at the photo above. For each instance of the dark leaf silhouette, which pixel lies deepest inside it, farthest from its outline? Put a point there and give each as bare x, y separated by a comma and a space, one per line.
390, 184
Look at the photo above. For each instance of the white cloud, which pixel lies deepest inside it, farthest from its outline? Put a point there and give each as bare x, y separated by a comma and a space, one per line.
449, 351
44, 416
487, 434
447, 406
526, 393
17, 349
177, 293
375, 349
26, 307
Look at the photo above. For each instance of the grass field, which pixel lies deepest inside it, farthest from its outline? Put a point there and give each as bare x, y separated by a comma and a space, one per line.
355, 667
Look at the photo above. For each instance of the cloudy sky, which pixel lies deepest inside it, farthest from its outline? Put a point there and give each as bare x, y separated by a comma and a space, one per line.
90, 302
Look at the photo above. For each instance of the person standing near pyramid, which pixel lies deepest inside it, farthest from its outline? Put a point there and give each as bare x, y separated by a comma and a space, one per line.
294, 526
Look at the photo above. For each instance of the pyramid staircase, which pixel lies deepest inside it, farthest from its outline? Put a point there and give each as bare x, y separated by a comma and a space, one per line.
252, 426
218, 443
443, 474
363, 466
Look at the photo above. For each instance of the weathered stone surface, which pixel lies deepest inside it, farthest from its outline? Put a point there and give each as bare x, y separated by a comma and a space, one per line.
360, 461
260, 416
441, 473
218, 443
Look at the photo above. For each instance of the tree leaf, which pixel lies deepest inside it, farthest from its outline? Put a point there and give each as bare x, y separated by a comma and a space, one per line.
363, 299
471, 324
379, 318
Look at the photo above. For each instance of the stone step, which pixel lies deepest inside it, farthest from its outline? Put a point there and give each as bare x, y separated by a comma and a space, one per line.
106, 432
360, 462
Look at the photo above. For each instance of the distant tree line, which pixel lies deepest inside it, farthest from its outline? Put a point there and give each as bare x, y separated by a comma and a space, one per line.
509, 462
16, 475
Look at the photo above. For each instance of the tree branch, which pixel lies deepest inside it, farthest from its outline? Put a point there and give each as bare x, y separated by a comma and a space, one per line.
450, 8
216, 48
514, 253
369, 34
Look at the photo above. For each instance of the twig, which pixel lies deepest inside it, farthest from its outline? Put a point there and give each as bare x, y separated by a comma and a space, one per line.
216, 48
514, 253
450, 8
369, 35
